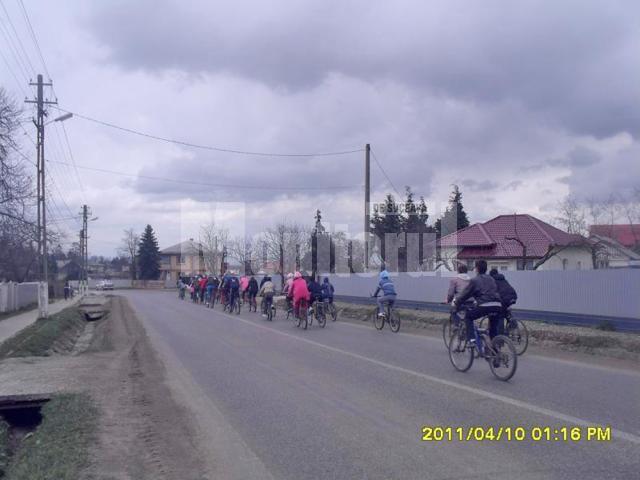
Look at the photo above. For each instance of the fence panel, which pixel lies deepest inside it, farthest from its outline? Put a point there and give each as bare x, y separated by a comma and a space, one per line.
612, 292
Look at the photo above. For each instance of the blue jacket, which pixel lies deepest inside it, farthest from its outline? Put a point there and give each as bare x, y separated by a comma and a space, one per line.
387, 287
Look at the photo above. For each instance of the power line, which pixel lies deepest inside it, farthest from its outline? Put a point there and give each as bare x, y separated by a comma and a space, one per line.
75, 167
35, 39
385, 173
217, 185
208, 147
26, 55
14, 51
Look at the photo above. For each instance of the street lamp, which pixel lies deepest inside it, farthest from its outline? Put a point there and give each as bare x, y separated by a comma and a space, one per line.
61, 118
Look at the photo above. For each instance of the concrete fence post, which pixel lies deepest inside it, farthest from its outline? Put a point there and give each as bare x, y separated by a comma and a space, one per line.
43, 299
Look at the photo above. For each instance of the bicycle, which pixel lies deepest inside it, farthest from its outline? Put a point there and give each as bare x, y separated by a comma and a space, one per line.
252, 302
317, 312
515, 329
331, 309
303, 314
270, 312
452, 324
234, 305
499, 352
388, 316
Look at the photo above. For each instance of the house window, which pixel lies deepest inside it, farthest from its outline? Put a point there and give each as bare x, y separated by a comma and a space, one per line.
504, 268
525, 264
565, 263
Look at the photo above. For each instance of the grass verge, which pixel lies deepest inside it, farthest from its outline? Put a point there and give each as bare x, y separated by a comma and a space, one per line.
4, 447
59, 448
57, 334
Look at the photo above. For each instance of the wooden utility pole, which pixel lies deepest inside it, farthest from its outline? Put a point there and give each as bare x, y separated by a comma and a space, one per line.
40, 103
367, 211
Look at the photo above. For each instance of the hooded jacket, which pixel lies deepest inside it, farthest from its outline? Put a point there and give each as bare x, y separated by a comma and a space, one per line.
507, 293
253, 285
457, 285
299, 290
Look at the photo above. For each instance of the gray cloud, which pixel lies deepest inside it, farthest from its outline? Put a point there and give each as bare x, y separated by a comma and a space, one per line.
572, 63
479, 186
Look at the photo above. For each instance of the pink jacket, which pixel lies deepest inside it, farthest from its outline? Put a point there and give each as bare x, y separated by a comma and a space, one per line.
299, 290
244, 282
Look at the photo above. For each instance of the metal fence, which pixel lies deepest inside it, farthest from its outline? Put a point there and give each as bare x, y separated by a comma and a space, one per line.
607, 293
14, 296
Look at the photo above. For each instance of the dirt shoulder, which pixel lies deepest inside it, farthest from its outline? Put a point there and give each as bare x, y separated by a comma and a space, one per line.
570, 342
142, 432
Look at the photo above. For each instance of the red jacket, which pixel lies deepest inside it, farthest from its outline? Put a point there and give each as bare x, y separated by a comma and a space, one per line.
203, 284
299, 290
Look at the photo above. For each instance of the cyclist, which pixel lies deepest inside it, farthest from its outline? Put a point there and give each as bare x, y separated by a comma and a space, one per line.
267, 291
508, 294
315, 291
252, 289
181, 287
210, 291
457, 285
483, 289
388, 292
234, 289
327, 290
244, 283
298, 292
196, 289
203, 287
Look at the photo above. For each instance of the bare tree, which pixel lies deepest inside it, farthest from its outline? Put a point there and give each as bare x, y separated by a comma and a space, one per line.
571, 215
129, 249
287, 243
244, 249
215, 243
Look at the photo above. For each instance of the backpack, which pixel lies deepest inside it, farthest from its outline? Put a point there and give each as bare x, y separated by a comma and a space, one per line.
234, 283
326, 290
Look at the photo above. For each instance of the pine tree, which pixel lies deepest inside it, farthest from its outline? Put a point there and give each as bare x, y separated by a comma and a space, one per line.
148, 255
454, 218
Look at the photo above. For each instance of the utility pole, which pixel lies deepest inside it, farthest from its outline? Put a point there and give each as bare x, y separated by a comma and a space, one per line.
40, 101
85, 249
81, 277
367, 212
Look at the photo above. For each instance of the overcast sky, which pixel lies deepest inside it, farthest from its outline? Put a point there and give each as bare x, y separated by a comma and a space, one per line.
519, 103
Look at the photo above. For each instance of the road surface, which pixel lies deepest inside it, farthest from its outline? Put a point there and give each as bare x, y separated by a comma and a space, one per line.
349, 402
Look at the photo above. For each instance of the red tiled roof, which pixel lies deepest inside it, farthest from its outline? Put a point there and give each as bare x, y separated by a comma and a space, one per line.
625, 234
496, 238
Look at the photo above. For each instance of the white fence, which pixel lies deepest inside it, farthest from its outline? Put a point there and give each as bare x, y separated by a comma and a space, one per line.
612, 292
14, 296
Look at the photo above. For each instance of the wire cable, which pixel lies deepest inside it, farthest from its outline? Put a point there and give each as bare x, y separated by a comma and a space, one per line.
216, 185
207, 147
384, 173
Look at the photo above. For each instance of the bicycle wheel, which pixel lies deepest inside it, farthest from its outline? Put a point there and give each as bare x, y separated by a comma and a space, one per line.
322, 319
517, 332
394, 320
298, 319
503, 359
378, 321
484, 323
270, 314
333, 311
273, 312
238, 306
460, 353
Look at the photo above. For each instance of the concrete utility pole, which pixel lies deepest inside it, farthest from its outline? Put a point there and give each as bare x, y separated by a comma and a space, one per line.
40, 102
85, 248
81, 276
367, 211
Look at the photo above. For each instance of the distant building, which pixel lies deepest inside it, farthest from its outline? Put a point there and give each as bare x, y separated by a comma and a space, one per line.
612, 254
183, 259
516, 242
627, 235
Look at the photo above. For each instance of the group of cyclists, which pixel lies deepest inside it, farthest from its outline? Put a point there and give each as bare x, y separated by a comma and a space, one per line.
231, 288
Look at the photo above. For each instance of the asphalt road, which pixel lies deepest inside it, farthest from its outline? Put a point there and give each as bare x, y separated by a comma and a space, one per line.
349, 402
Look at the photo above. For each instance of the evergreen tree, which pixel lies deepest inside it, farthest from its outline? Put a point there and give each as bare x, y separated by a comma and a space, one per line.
148, 255
385, 222
454, 218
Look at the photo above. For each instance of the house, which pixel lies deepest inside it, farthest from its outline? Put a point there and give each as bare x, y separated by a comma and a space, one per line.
516, 242
612, 254
627, 235
182, 259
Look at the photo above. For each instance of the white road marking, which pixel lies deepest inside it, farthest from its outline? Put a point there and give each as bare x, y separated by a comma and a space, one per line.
615, 434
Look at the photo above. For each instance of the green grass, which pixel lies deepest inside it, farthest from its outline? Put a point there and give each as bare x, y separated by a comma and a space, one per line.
4, 447
55, 334
59, 448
